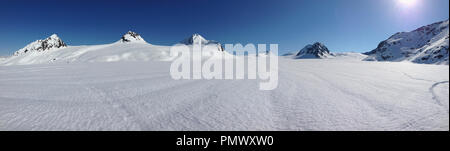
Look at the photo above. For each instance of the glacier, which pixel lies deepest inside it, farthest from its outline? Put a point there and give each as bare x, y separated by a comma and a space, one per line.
313, 94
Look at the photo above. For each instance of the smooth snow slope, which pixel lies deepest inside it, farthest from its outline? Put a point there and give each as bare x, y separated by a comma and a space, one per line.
330, 94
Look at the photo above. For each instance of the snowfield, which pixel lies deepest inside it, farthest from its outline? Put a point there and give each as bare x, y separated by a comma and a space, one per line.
136, 51
312, 94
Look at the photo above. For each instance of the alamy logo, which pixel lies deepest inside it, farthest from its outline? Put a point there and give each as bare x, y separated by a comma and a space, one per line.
237, 62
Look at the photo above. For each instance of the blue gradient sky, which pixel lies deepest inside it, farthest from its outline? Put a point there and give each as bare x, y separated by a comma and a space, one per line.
342, 25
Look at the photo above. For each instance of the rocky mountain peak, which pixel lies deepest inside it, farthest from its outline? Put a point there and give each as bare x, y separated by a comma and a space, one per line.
131, 36
49, 43
316, 50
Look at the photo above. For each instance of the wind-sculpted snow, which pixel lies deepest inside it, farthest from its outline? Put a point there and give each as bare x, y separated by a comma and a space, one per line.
324, 94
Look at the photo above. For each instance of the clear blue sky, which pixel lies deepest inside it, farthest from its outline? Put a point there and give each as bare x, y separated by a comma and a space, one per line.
342, 25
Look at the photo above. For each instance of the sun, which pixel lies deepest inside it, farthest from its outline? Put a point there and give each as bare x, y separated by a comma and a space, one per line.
407, 3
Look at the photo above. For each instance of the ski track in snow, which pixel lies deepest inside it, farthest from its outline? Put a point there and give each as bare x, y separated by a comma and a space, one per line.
414, 78
436, 97
311, 95
431, 89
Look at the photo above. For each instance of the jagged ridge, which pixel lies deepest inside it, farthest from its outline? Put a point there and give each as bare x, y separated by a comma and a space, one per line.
49, 43
316, 50
131, 36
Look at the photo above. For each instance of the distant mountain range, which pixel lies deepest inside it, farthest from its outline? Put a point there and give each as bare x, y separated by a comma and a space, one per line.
130, 47
320, 51
427, 45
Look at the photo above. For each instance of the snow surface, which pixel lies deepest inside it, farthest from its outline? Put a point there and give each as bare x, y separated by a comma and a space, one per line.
348, 55
313, 94
134, 51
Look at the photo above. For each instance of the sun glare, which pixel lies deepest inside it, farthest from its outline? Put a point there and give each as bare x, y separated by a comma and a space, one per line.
407, 3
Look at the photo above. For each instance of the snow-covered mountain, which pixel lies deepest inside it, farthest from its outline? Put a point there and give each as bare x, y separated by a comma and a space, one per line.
314, 51
131, 37
320, 51
194, 38
52, 42
428, 44
130, 47
198, 38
